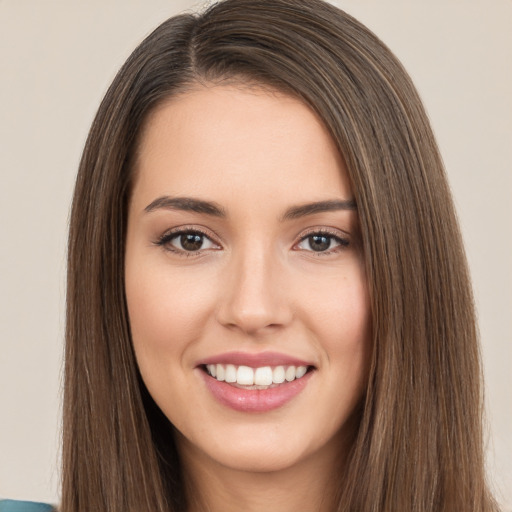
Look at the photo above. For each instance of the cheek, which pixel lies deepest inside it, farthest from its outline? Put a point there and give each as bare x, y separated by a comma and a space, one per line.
166, 316
340, 309
340, 317
348, 347
166, 311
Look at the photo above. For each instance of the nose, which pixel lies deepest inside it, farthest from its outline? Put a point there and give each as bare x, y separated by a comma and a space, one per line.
254, 296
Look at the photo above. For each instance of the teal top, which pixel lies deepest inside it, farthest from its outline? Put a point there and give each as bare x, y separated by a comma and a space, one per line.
24, 506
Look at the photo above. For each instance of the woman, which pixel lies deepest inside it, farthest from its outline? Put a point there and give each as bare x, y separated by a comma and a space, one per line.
268, 299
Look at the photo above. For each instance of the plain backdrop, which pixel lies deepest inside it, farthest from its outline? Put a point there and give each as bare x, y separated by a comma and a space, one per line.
57, 58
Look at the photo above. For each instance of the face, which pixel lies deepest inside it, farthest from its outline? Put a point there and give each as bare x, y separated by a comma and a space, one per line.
245, 282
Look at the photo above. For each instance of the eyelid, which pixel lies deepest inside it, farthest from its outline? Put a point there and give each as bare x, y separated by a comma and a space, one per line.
189, 227
337, 232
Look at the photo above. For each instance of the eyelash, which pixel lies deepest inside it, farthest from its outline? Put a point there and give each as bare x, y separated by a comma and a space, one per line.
343, 242
166, 238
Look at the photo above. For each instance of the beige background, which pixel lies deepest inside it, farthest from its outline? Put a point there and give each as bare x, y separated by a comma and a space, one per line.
56, 60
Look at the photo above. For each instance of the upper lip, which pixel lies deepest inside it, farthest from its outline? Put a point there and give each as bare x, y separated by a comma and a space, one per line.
254, 360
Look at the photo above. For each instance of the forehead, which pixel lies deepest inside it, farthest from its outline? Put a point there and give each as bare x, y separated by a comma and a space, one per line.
224, 140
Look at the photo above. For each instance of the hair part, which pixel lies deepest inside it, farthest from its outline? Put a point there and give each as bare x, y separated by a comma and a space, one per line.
419, 442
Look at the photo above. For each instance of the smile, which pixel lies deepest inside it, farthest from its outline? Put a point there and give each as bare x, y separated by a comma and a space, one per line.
255, 383
263, 377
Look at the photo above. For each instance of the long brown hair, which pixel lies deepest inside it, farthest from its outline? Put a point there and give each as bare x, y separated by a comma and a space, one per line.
419, 443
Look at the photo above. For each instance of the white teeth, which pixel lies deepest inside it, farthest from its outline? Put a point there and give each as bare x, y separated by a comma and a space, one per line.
290, 373
245, 376
278, 375
230, 373
263, 376
221, 374
300, 372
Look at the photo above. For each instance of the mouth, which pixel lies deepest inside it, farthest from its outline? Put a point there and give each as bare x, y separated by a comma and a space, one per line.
256, 383
259, 378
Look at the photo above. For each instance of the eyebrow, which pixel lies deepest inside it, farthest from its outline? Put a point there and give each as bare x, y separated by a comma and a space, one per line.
186, 204
303, 210
215, 210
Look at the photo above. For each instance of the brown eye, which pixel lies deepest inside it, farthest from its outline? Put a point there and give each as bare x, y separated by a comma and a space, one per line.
322, 243
186, 241
319, 242
191, 241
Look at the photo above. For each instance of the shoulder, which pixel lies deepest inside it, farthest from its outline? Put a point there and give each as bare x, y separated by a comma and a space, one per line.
24, 506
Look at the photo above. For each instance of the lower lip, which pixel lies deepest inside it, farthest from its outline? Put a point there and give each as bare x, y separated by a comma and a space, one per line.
255, 400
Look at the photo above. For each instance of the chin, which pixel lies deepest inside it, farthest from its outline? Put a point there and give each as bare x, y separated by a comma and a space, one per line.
263, 448
257, 460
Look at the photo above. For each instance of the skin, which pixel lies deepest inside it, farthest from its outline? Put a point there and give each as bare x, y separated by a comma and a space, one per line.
256, 285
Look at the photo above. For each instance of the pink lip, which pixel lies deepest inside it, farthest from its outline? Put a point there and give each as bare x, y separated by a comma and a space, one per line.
255, 400
254, 360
